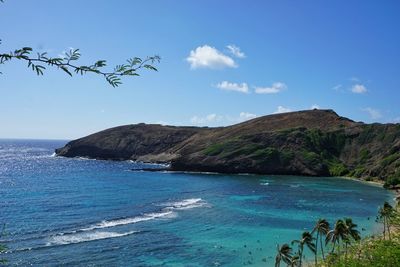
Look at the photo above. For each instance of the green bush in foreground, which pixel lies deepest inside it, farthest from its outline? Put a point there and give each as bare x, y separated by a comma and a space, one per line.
371, 252
345, 247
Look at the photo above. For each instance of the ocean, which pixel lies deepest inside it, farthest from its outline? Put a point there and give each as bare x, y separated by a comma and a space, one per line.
81, 212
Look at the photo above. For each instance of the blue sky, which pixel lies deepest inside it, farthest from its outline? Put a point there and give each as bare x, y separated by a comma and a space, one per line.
222, 62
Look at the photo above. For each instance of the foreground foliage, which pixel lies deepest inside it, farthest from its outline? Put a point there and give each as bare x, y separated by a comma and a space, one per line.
346, 247
380, 251
68, 63
370, 252
40, 61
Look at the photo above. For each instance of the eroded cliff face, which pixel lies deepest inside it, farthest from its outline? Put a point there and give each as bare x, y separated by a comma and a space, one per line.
130, 142
314, 142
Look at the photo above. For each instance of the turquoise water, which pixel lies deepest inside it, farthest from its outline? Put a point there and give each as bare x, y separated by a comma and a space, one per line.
80, 212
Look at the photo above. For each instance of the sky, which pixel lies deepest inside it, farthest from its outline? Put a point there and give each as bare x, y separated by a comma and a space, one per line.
222, 62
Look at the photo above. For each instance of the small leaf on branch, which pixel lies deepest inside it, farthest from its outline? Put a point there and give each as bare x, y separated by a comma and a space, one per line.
65, 69
39, 69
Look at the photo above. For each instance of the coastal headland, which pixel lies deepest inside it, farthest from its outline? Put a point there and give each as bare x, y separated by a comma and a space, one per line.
312, 142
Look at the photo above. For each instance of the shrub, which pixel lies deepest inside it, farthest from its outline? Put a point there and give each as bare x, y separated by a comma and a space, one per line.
328, 143
311, 157
364, 154
214, 150
390, 159
357, 172
392, 182
286, 156
338, 169
373, 252
268, 153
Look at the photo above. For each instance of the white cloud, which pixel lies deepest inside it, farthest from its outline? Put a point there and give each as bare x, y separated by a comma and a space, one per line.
64, 52
373, 113
209, 57
210, 118
315, 106
337, 87
354, 79
219, 120
282, 109
225, 85
359, 89
235, 51
244, 116
276, 87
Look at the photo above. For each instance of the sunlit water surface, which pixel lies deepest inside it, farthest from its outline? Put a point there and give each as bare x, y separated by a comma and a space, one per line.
83, 212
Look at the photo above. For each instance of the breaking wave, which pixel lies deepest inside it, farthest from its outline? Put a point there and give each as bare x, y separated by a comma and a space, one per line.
167, 212
118, 222
185, 204
66, 239
98, 231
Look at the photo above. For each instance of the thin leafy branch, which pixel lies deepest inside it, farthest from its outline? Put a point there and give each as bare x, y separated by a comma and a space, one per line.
68, 63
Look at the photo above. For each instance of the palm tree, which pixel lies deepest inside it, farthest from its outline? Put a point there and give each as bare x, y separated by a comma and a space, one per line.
306, 239
294, 261
351, 232
322, 229
352, 229
336, 234
385, 214
284, 254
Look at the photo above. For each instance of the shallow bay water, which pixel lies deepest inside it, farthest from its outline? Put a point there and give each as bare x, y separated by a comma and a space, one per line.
83, 212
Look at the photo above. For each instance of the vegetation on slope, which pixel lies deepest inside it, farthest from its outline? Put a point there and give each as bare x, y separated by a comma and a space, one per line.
360, 154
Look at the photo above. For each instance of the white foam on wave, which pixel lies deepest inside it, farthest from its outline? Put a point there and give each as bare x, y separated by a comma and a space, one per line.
265, 183
65, 239
168, 212
185, 204
118, 222
47, 156
150, 164
84, 158
94, 232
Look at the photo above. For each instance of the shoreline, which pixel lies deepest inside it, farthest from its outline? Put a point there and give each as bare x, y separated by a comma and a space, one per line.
166, 167
374, 182
378, 183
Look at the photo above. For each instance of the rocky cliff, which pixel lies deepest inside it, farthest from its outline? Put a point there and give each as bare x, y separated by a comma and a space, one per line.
314, 142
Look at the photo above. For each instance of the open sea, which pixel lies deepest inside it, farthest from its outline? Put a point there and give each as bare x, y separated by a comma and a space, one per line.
80, 212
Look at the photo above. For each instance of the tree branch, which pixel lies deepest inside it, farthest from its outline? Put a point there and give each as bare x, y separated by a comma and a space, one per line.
38, 63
